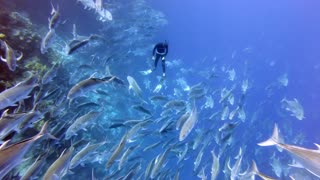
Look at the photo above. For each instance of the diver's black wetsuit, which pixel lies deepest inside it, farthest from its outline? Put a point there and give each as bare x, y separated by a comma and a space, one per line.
160, 50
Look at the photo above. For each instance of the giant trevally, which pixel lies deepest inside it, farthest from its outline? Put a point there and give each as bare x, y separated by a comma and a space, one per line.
134, 85
308, 158
34, 168
78, 43
83, 153
294, 107
17, 93
54, 20
188, 125
86, 85
159, 163
10, 122
81, 123
50, 74
11, 57
46, 41
215, 166
117, 150
12, 155
60, 167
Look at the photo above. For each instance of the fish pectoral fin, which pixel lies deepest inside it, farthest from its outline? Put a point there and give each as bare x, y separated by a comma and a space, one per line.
3, 59
296, 165
20, 57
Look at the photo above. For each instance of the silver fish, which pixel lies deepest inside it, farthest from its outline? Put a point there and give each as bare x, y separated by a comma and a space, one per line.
46, 41
83, 153
215, 166
12, 155
60, 167
117, 151
10, 57
86, 85
10, 122
50, 74
134, 85
158, 163
81, 123
188, 125
125, 155
34, 168
54, 20
17, 93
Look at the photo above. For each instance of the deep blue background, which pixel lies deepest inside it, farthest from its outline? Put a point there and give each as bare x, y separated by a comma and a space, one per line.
286, 32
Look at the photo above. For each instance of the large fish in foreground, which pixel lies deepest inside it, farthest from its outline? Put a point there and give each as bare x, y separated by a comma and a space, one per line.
60, 167
18, 92
12, 155
86, 85
308, 158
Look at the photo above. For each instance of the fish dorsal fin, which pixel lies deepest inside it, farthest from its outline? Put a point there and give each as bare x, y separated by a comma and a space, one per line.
36, 104
318, 146
5, 113
4, 144
92, 75
63, 152
107, 71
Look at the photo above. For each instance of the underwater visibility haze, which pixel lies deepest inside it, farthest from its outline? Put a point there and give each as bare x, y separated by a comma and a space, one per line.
142, 89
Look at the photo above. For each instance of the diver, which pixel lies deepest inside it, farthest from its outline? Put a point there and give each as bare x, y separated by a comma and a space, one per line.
160, 51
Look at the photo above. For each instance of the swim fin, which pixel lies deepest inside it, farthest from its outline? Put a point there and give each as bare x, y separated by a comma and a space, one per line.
159, 86
146, 72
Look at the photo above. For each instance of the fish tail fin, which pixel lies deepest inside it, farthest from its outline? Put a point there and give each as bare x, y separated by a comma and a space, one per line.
53, 9
254, 168
44, 131
273, 140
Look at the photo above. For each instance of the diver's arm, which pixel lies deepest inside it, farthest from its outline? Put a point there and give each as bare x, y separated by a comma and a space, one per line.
154, 50
166, 51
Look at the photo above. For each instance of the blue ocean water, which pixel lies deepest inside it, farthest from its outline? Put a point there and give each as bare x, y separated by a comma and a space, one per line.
265, 43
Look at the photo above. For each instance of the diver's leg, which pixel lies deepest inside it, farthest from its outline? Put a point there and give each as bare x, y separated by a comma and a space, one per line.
156, 62
163, 68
